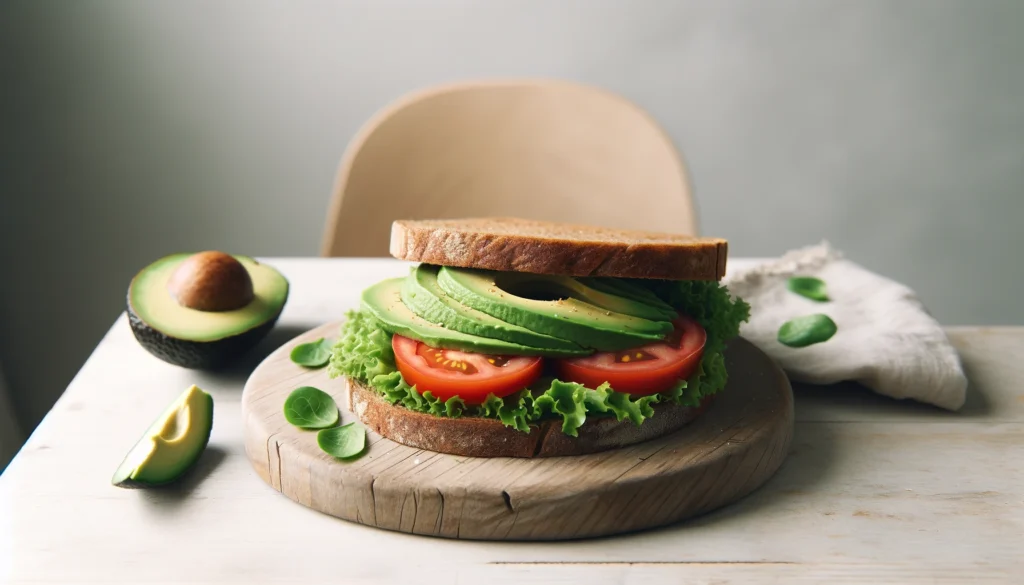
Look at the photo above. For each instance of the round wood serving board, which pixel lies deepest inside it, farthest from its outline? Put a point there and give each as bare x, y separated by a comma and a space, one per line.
734, 447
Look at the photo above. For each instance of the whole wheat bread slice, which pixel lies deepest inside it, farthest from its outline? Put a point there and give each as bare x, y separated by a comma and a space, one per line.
543, 247
473, 436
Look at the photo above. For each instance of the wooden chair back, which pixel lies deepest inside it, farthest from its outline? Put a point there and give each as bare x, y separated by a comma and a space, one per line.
537, 149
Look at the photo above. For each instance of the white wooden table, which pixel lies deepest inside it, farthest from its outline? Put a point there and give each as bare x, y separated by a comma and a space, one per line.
874, 490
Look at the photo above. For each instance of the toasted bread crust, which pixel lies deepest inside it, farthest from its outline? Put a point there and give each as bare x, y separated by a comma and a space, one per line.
473, 436
558, 248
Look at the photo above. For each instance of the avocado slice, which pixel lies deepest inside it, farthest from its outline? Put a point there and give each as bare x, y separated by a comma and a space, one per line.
552, 305
421, 294
622, 288
384, 301
172, 444
608, 298
204, 310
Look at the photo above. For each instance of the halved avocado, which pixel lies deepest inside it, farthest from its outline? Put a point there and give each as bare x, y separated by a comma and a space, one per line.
424, 297
204, 310
384, 301
171, 445
556, 306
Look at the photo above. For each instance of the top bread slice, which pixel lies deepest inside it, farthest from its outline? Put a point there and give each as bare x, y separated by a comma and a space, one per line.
543, 247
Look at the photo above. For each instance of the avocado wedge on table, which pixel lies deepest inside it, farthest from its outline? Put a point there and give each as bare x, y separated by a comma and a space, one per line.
171, 445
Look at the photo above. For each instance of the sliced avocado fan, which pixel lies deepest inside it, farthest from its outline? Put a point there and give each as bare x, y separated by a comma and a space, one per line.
621, 288
558, 306
421, 294
384, 301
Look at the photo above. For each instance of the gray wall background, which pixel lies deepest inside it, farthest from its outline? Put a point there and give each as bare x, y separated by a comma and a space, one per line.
129, 130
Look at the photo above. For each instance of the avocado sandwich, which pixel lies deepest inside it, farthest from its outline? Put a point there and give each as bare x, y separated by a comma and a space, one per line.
521, 338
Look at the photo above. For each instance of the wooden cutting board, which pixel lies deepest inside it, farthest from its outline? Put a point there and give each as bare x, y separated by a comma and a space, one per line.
739, 442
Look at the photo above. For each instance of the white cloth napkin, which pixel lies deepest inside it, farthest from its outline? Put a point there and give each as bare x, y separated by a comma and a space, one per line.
886, 340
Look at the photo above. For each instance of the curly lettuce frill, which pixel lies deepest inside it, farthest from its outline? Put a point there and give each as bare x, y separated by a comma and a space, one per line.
363, 353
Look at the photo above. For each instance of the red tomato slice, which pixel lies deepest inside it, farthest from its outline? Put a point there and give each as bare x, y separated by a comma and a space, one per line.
643, 370
470, 376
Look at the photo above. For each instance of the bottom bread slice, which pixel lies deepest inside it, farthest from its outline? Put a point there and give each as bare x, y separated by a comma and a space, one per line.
473, 436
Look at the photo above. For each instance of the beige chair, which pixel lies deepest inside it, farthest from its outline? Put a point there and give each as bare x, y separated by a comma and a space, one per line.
537, 149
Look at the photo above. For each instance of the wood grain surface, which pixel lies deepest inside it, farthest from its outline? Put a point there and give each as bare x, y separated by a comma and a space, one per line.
732, 449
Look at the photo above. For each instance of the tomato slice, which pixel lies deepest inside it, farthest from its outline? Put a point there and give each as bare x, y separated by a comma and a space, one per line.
648, 369
470, 376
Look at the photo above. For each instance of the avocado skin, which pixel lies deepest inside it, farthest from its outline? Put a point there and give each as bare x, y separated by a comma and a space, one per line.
197, 355
132, 484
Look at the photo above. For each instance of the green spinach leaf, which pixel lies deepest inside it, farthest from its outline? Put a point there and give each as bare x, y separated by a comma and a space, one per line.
807, 330
310, 408
314, 354
344, 442
808, 286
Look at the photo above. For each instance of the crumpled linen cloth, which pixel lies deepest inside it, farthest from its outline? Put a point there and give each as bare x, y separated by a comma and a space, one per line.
886, 340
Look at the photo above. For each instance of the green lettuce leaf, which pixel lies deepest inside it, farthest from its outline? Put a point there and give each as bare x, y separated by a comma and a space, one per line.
564, 399
604, 400
513, 410
706, 301
363, 352
363, 349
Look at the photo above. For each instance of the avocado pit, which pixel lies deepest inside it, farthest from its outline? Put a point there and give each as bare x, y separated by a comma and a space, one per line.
211, 281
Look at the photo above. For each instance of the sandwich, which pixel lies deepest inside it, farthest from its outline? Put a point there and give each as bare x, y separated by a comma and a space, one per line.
522, 338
